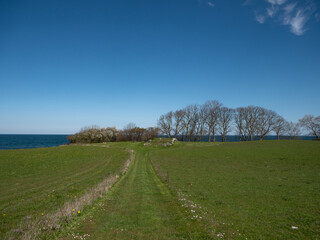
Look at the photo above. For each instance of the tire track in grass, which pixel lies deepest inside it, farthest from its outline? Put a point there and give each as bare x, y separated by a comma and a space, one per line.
30, 202
140, 206
38, 228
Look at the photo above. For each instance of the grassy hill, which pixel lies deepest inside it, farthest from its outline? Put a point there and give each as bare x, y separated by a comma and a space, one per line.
34, 182
254, 190
243, 190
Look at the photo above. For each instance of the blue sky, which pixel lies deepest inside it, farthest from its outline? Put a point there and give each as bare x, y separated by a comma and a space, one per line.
69, 64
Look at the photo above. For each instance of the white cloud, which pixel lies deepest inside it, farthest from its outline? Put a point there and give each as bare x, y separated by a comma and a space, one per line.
272, 11
296, 18
210, 4
287, 15
286, 19
276, 2
247, 2
260, 19
292, 13
289, 8
297, 23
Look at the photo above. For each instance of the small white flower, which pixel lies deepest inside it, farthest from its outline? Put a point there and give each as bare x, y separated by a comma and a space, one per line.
220, 235
294, 227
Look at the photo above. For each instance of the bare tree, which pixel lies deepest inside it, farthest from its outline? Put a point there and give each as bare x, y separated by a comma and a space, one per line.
312, 124
151, 133
187, 120
138, 134
127, 134
265, 121
130, 126
165, 123
213, 110
193, 122
177, 126
251, 118
201, 124
246, 119
224, 121
293, 130
280, 126
240, 121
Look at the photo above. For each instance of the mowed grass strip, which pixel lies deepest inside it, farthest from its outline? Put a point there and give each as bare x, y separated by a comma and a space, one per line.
33, 182
139, 206
249, 190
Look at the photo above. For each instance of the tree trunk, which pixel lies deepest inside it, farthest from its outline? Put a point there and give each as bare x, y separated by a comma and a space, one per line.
214, 136
200, 137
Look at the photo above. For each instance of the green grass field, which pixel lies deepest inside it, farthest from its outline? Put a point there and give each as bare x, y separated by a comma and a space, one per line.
254, 190
29, 177
245, 190
139, 206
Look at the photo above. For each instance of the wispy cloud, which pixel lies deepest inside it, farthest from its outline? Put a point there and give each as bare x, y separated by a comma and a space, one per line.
277, 2
298, 22
260, 19
247, 2
296, 17
290, 7
210, 4
288, 13
271, 11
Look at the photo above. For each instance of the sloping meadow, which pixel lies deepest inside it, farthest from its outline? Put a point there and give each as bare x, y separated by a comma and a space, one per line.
247, 190
50, 185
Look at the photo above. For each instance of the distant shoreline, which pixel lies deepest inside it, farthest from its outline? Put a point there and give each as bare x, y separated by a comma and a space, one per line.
30, 141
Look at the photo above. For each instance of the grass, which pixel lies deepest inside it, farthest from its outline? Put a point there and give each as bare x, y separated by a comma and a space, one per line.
254, 190
34, 181
139, 206
243, 190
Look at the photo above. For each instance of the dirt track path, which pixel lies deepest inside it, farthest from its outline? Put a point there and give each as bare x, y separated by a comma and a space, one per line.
139, 206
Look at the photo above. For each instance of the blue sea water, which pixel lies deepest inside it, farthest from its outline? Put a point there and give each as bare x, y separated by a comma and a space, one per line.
17, 141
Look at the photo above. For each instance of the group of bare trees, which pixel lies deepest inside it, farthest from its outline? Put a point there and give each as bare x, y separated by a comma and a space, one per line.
131, 132
311, 124
212, 118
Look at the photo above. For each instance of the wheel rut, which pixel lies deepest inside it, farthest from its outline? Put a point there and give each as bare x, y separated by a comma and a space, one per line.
139, 206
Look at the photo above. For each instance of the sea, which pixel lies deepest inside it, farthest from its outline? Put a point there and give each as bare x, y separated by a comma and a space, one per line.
22, 141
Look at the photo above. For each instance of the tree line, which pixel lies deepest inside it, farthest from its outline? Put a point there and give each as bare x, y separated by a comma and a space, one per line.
210, 119
252, 122
131, 132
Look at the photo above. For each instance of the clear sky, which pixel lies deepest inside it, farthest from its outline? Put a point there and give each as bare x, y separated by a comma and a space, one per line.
69, 64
